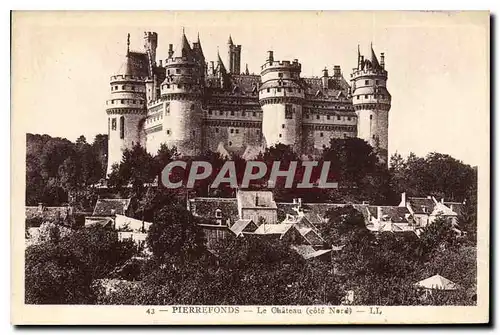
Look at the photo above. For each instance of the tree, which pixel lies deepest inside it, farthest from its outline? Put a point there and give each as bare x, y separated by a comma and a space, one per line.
175, 232
61, 271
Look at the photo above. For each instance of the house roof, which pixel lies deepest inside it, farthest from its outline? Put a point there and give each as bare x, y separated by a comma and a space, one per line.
104, 207
255, 199
269, 229
457, 207
437, 282
421, 205
239, 226
308, 252
206, 207
390, 213
98, 221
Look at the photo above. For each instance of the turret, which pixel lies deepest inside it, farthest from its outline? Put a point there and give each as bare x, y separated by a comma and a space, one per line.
234, 56
150, 45
372, 102
281, 97
182, 90
126, 110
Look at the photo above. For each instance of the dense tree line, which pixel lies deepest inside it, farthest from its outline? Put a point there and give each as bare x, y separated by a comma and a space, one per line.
59, 171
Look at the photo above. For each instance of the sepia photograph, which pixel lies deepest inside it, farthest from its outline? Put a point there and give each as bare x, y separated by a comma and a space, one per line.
251, 167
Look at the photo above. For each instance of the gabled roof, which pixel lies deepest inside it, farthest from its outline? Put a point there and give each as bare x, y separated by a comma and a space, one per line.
240, 225
437, 282
308, 252
421, 205
391, 213
206, 207
271, 229
110, 207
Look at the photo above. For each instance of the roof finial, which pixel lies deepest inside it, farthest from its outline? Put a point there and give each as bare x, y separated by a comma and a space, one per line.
128, 43
198, 37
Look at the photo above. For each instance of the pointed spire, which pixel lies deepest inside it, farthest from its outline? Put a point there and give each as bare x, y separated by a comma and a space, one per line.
183, 48
374, 59
222, 68
230, 41
198, 40
246, 69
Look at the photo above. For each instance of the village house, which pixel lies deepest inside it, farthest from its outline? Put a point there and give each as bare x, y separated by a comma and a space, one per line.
426, 210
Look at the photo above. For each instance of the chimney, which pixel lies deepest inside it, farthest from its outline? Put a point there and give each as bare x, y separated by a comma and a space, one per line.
403, 199
336, 71
379, 213
442, 201
161, 63
382, 60
40, 207
270, 56
170, 50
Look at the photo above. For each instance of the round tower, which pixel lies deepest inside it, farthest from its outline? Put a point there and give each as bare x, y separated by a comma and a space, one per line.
126, 110
281, 98
372, 102
182, 89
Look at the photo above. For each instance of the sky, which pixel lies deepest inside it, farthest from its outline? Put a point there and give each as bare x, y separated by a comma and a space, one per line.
437, 63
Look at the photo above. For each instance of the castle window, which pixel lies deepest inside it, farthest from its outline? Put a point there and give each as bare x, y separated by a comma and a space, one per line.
133, 101
133, 88
179, 86
231, 131
194, 132
122, 127
254, 114
168, 85
122, 101
232, 113
288, 111
237, 131
367, 82
338, 117
317, 116
268, 90
116, 87
230, 143
221, 113
280, 135
376, 82
328, 117
371, 117
290, 89
320, 134
243, 114
113, 123
299, 90
217, 130
348, 118
324, 146
112, 102
366, 96
168, 131
178, 71
123, 87
280, 74
283, 126
279, 89
209, 112
357, 97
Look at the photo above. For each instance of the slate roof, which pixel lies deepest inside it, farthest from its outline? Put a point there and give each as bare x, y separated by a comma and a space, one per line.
391, 213
255, 199
110, 207
206, 207
271, 229
421, 205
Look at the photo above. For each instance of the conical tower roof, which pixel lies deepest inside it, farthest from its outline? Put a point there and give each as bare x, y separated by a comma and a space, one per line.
374, 59
182, 49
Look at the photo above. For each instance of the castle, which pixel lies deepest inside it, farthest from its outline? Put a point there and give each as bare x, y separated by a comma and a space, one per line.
194, 105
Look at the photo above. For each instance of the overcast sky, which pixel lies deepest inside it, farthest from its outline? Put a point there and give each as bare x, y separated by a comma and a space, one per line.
437, 65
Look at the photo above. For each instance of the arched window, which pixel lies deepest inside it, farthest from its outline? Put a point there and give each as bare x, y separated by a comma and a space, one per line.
122, 127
